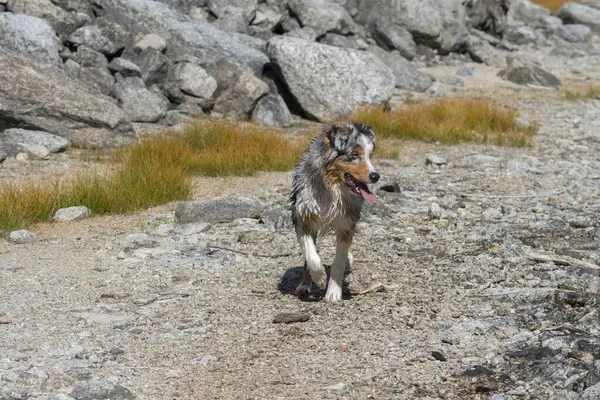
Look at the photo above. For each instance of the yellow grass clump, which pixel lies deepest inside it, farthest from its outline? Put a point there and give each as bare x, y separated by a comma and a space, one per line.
450, 121
590, 91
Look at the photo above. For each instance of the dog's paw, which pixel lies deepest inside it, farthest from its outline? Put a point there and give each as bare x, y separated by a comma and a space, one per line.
302, 290
319, 277
334, 293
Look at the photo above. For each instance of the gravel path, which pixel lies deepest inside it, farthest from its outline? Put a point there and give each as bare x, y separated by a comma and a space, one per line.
140, 306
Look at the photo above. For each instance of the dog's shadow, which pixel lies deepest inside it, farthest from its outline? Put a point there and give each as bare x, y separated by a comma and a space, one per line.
291, 278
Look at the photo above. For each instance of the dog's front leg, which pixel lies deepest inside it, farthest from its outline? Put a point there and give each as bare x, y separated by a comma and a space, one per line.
313, 261
334, 290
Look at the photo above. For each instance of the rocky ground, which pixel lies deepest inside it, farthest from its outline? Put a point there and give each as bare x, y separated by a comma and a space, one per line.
488, 266
482, 263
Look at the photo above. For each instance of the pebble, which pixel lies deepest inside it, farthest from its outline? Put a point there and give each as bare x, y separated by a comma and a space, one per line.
439, 355
337, 386
434, 211
432, 159
22, 237
452, 80
465, 70
436, 90
192, 228
580, 222
112, 320
289, 318
206, 360
96, 389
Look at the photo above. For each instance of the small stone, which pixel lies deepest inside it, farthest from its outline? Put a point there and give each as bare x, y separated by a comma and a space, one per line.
4, 320
432, 159
124, 67
192, 228
434, 211
112, 320
152, 40
70, 214
452, 80
336, 387
22, 236
206, 360
580, 223
96, 389
10, 267
436, 90
465, 70
537, 210
391, 188
438, 355
35, 151
290, 318
52, 142
22, 157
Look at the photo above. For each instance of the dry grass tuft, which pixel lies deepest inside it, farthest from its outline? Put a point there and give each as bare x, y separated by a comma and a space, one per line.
553, 5
154, 171
591, 91
450, 121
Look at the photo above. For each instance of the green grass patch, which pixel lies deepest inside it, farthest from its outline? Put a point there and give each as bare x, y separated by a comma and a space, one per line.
450, 122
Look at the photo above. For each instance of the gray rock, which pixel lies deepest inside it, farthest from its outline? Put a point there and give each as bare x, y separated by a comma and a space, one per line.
523, 72
591, 393
22, 236
88, 57
333, 39
3, 154
483, 52
96, 389
234, 19
153, 41
53, 396
238, 89
70, 214
347, 78
30, 36
186, 82
434, 211
92, 37
184, 34
520, 34
465, 70
488, 15
277, 217
533, 15
394, 37
9, 147
432, 159
272, 111
192, 228
452, 80
98, 80
52, 142
139, 103
57, 104
439, 24
436, 90
62, 21
124, 67
406, 75
251, 41
306, 33
206, 360
574, 33
266, 17
574, 13
322, 15
110, 320
220, 210
218, 7
153, 65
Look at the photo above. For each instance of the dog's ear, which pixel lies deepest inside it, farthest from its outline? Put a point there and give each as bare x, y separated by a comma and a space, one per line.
338, 137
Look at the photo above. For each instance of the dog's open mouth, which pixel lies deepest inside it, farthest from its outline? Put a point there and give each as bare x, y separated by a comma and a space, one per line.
360, 188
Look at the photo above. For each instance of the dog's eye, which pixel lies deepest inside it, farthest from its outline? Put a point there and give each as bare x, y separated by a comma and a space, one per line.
354, 156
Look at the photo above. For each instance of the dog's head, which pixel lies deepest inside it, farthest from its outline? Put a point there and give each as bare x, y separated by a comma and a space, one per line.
351, 146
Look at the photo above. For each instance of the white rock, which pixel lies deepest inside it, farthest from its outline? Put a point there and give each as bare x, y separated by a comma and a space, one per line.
22, 236
72, 213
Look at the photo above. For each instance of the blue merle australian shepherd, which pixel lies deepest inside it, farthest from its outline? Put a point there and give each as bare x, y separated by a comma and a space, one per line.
329, 188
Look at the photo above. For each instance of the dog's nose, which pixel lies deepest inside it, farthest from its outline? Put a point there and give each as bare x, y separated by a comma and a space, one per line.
374, 177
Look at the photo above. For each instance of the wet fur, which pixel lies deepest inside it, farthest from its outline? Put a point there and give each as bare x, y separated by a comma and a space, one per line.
322, 200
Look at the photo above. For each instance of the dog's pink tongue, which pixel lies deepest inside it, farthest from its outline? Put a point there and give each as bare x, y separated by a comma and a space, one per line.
366, 195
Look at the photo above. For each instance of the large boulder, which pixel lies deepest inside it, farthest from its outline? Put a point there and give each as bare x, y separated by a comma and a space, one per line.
139, 103
184, 34
39, 97
532, 15
30, 35
434, 23
394, 37
190, 83
272, 111
238, 89
329, 81
63, 22
525, 72
407, 76
488, 15
322, 15
573, 13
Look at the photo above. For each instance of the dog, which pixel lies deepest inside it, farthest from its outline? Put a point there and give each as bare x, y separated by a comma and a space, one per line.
329, 188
